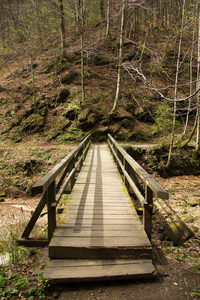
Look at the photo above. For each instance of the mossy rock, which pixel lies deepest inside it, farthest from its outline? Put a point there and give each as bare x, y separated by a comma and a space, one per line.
61, 64
16, 135
33, 124
178, 232
89, 122
84, 115
71, 112
28, 166
100, 134
62, 95
143, 115
99, 60
73, 134
58, 130
126, 123
16, 107
69, 78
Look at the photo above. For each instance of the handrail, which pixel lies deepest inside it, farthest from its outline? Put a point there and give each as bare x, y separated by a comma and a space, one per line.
45, 181
133, 173
52, 192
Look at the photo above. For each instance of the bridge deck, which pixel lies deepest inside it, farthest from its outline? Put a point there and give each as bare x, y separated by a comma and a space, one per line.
99, 228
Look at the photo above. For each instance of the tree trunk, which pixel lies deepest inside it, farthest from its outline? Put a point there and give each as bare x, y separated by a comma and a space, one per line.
190, 100
186, 142
82, 7
62, 27
108, 18
175, 92
101, 8
119, 59
198, 79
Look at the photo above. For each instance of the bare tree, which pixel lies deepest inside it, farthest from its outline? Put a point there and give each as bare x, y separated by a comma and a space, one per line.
108, 18
62, 28
176, 90
119, 58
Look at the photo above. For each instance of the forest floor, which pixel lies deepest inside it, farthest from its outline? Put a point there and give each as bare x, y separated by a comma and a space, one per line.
178, 267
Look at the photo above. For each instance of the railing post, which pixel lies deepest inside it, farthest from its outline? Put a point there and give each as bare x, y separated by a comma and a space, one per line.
127, 169
51, 196
148, 211
72, 165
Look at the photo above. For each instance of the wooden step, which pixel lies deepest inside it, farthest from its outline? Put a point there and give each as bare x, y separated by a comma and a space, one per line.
96, 251
76, 270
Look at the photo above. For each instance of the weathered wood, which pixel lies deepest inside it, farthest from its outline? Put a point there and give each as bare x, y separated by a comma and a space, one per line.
96, 252
63, 186
148, 211
107, 233
51, 209
35, 216
47, 186
33, 242
153, 184
45, 181
95, 270
100, 220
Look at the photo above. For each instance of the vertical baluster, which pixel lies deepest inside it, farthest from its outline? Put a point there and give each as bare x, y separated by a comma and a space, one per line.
148, 211
51, 197
72, 165
127, 169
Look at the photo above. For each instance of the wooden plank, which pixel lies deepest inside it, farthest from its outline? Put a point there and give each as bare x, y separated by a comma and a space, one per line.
44, 182
115, 227
90, 233
100, 220
94, 270
107, 241
35, 216
33, 242
100, 252
153, 184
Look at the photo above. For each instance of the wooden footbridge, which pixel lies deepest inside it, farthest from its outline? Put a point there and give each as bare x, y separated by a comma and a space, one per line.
99, 235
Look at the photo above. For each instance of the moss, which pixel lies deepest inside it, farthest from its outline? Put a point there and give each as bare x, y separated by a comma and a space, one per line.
33, 124
58, 130
72, 111
73, 134
62, 95
69, 78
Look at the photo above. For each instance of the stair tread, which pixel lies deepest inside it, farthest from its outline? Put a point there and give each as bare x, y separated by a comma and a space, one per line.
70, 270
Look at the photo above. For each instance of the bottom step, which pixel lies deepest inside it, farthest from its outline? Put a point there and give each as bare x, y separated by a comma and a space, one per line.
76, 270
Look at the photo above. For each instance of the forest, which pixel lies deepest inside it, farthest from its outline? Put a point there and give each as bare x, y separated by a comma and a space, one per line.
129, 68
148, 52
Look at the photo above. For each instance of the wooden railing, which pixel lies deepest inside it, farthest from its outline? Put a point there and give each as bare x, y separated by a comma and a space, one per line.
136, 179
52, 191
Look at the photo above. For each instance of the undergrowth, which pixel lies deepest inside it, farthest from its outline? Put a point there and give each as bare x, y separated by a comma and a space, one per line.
18, 278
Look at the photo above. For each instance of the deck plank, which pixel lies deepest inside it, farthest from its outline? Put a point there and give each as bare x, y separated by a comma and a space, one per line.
95, 270
99, 221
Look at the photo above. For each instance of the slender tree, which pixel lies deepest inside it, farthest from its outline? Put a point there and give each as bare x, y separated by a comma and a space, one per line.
108, 18
62, 27
198, 81
119, 58
176, 90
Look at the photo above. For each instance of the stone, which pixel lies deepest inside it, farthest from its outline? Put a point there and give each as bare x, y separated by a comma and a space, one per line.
178, 232
63, 95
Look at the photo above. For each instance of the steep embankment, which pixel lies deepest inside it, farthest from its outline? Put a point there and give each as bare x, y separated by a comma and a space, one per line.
45, 98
